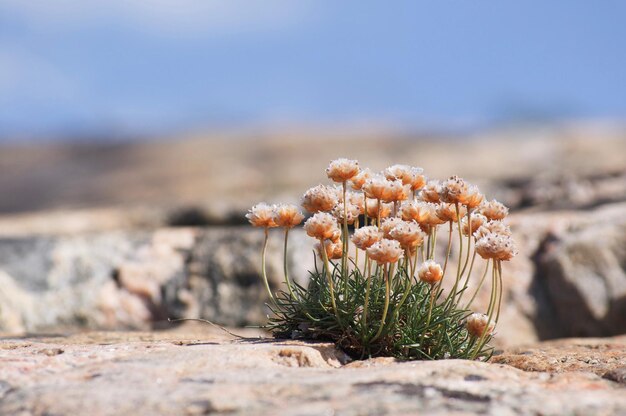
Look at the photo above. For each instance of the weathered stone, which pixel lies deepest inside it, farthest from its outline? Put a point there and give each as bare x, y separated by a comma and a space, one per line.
200, 372
139, 279
593, 355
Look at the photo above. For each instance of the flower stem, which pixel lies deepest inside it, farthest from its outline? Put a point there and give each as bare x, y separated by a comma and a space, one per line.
386, 307
285, 264
331, 286
267, 285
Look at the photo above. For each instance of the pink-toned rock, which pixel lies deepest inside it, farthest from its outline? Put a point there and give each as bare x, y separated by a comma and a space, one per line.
195, 370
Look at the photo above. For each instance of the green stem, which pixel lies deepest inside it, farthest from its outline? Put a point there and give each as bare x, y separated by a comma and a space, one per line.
445, 264
499, 273
267, 285
482, 279
329, 276
285, 265
368, 270
386, 307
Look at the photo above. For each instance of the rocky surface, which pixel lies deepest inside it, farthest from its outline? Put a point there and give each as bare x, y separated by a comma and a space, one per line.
137, 279
202, 372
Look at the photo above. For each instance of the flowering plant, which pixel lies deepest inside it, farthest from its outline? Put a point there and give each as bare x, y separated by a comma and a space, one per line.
378, 289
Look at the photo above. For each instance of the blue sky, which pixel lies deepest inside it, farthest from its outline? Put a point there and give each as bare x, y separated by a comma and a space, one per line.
152, 66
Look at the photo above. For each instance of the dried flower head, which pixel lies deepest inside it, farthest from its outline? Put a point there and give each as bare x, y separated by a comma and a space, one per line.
496, 227
358, 181
472, 198
494, 210
351, 211
418, 180
496, 246
287, 215
262, 215
364, 237
401, 172
342, 170
398, 191
447, 212
453, 190
478, 324
322, 226
334, 249
319, 198
388, 224
430, 272
358, 200
424, 213
377, 187
372, 209
477, 221
408, 234
385, 251
430, 191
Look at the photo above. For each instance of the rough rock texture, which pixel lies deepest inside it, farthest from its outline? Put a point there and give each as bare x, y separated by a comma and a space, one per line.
137, 279
577, 265
605, 357
194, 373
568, 280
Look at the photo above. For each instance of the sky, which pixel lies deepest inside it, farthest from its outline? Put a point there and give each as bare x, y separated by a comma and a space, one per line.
148, 67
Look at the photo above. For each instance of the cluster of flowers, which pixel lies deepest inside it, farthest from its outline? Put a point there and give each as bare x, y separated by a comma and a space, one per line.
395, 215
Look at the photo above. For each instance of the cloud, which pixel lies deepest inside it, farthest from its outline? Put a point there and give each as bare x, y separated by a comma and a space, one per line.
163, 17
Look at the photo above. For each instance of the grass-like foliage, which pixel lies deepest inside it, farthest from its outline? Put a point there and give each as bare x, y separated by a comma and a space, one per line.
383, 295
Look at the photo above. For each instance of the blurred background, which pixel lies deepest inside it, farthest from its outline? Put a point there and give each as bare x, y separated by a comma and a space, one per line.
134, 135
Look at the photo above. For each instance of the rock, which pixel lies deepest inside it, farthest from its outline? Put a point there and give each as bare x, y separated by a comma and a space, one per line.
138, 279
593, 355
195, 372
579, 282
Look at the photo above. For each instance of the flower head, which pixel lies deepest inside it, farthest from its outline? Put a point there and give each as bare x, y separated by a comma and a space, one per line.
399, 192
342, 170
430, 272
334, 249
472, 198
494, 210
478, 324
351, 211
262, 215
496, 227
364, 237
430, 191
388, 224
408, 234
372, 209
447, 212
496, 246
358, 181
424, 213
322, 226
287, 215
453, 190
358, 200
410, 176
477, 221
377, 187
418, 180
319, 198
385, 251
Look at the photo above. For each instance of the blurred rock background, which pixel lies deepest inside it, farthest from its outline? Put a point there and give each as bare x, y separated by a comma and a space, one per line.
137, 233
134, 136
